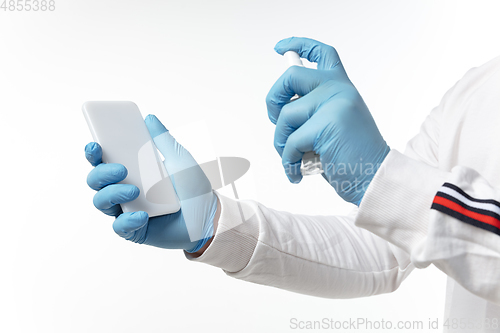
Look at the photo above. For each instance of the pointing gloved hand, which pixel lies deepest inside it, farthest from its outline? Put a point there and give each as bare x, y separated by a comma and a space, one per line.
330, 119
198, 202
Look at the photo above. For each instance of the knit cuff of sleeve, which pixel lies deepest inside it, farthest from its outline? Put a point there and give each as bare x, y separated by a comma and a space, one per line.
235, 238
396, 205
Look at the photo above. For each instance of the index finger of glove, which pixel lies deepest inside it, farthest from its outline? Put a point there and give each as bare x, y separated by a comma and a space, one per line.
93, 153
324, 55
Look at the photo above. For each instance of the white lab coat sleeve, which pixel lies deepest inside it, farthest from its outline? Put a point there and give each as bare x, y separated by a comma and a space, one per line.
324, 256
403, 206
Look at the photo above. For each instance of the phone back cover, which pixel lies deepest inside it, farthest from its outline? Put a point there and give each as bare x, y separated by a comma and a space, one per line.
120, 130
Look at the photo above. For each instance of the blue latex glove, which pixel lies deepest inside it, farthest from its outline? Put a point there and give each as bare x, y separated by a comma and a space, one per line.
330, 119
198, 202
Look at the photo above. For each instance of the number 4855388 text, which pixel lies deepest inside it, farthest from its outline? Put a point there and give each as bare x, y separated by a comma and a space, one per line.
28, 5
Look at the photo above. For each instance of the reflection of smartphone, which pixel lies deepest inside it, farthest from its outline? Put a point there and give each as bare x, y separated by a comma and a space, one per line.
120, 130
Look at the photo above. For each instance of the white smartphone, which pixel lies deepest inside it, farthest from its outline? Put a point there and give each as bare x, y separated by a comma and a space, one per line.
122, 133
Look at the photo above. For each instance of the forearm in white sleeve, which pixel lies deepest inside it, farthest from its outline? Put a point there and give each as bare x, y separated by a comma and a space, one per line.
450, 219
437, 211
324, 256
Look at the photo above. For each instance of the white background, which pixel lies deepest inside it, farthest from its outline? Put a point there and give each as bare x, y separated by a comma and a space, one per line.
196, 62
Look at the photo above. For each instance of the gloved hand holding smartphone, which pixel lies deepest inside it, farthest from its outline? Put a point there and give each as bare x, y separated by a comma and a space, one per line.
189, 229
